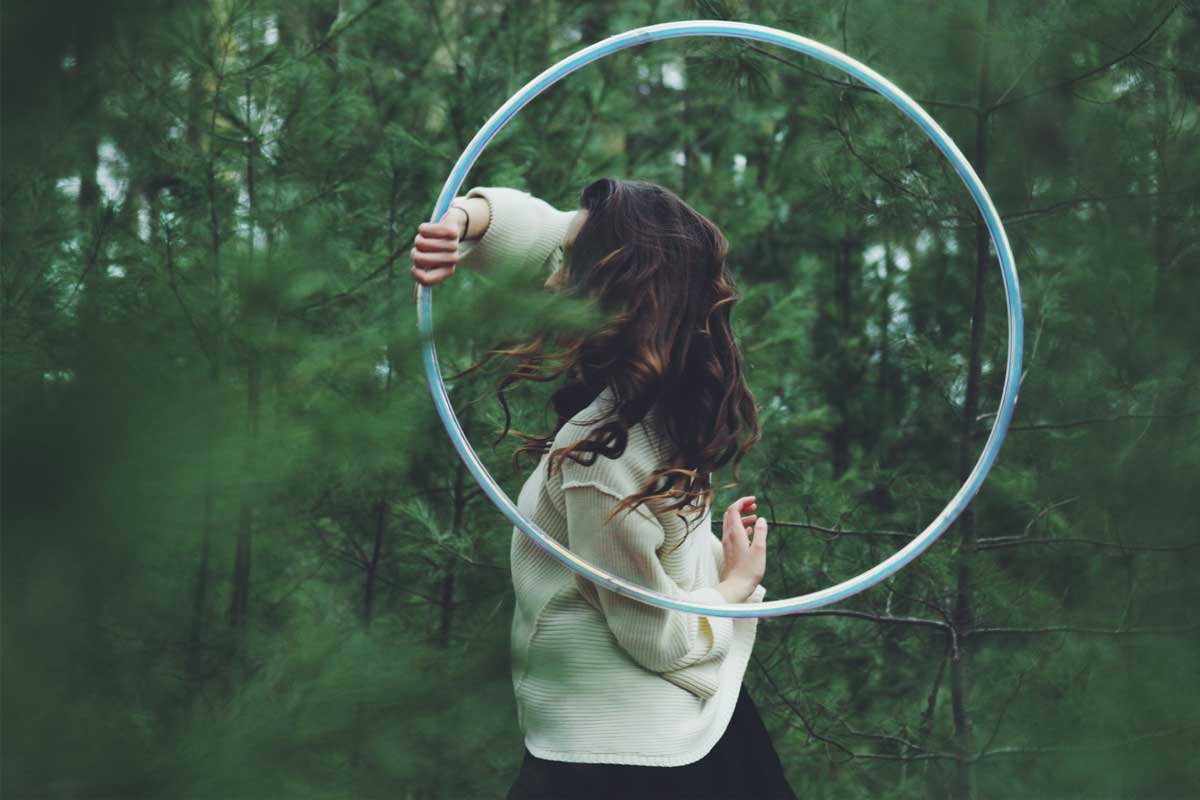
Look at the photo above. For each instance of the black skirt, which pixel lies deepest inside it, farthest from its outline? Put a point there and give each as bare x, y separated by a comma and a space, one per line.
742, 765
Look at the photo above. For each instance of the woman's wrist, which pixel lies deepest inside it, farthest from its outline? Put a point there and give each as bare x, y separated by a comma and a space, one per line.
476, 216
734, 591
462, 220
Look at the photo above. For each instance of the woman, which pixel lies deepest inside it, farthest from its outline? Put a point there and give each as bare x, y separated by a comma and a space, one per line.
618, 698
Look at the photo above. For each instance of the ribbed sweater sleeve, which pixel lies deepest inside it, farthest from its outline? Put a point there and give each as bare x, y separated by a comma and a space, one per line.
686, 648
523, 232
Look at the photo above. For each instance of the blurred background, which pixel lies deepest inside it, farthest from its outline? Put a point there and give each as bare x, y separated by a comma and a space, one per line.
242, 560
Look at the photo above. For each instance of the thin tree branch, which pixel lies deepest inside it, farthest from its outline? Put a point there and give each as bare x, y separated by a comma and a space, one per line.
836, 532
1016, 751
812, 732
1021, 216
1042, 426
1016, 541
1087, 73
379, 271
857, 87
920, 622
1013, 694
974, 632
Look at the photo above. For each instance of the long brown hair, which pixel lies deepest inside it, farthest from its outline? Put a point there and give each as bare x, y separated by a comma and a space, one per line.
656, 267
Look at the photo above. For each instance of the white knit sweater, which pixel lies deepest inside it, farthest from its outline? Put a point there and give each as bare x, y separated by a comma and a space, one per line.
600, 677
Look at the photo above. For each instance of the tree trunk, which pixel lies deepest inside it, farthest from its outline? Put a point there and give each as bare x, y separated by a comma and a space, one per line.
963, 612
90, 368
197, 137
369, 585
847, 278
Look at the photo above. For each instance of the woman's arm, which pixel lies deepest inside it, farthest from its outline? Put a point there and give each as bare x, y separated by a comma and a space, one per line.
510, 228
489, 228
685, 648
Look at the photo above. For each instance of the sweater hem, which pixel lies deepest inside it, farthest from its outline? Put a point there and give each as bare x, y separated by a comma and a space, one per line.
705, 746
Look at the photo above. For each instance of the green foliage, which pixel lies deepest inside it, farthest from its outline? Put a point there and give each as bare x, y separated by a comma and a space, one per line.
241, 559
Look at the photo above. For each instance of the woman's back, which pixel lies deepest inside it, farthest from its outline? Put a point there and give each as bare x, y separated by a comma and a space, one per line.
604, 678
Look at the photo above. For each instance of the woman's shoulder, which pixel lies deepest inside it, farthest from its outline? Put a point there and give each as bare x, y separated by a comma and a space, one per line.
643, 454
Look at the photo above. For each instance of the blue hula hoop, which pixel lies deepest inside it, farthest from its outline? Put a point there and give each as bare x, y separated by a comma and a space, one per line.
672, 30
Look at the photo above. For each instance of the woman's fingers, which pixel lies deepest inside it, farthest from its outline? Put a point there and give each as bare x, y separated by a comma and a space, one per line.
430, 277
738, 515
434, 260
426, 244
742, 504
435, 252
435, 238
733, 518
760, 534
438, 230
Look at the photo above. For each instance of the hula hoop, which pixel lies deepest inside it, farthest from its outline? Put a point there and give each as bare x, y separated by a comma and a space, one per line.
672, 30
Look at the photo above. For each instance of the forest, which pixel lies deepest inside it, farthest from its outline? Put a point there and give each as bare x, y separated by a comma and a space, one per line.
241, 559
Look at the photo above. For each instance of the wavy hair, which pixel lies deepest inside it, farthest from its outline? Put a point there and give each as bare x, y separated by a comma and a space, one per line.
656, 267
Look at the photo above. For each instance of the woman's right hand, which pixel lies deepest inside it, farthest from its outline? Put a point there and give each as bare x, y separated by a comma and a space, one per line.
435, 253
745, 560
